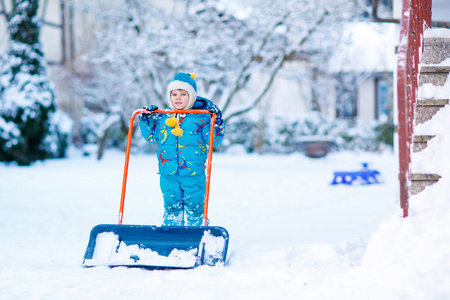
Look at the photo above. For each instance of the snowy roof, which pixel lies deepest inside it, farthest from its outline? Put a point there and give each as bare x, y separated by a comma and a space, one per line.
366, 47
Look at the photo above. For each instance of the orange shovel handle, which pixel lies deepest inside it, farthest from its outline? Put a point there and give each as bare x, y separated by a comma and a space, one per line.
210, 151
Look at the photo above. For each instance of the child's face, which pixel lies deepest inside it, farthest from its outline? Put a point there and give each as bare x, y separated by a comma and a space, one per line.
179, 99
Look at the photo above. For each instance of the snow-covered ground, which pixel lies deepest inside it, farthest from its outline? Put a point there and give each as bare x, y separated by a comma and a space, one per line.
292, 233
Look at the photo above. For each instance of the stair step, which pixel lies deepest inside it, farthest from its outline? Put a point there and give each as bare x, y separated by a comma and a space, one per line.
420, 181
436, 75
427, 108
421, 142
435, 50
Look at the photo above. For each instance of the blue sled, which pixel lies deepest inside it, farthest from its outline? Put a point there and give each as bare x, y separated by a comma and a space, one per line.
206, 245
366, 175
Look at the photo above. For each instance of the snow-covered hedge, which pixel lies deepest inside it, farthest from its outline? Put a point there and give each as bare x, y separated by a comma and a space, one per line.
281, 135
271, 135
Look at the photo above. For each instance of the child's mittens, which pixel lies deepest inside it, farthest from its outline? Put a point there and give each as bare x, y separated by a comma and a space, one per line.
150, 107
145, 116
215, 110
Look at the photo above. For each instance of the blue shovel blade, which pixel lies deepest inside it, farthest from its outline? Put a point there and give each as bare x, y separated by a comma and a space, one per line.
182, 247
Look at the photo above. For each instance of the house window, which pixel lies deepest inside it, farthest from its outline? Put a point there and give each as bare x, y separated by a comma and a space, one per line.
346, 96
57, 23
382, 106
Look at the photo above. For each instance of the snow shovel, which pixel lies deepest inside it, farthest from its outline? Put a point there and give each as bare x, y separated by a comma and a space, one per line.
165, 247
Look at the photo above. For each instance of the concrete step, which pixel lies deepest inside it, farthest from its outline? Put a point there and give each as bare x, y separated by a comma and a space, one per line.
420, 181
436, 75
421, 142
427, 108
435, 50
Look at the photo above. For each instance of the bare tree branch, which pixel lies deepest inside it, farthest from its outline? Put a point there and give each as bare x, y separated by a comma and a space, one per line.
279, 63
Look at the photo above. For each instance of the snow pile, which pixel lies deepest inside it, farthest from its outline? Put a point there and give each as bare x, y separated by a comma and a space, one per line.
410, 258
109, 252
430, 91
437, 33
430, 159
213, 247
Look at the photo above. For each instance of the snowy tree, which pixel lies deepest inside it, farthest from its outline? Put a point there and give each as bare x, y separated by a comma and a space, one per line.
138, 48
27, 129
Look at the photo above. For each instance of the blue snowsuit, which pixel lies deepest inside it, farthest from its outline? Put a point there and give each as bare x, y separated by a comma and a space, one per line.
181, 163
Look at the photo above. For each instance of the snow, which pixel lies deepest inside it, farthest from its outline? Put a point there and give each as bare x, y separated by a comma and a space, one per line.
437, 33
213, 247
429, 91
105, 254
22, 84
9, 132
292, 233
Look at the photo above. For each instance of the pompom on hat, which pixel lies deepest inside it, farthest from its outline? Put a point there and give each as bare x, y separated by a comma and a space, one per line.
184, 81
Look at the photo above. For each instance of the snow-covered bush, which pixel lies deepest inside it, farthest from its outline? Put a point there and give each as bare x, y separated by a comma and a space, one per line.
28, 129
242, 132
282, 135
9, 135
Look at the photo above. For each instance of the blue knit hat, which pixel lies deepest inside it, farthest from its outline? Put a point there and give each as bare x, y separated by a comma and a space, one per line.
184, 81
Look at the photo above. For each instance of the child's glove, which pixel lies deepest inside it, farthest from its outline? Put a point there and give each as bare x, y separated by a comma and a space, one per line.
215, 110
150, 107
146, 116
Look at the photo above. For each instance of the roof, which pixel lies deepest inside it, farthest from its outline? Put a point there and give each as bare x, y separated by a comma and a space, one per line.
366, 47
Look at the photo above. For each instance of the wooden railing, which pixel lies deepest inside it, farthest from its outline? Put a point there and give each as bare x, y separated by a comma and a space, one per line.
416, 17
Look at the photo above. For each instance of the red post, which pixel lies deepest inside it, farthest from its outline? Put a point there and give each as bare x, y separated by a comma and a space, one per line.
416, 16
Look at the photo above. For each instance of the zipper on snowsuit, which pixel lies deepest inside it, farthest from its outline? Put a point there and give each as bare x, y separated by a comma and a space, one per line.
178, 158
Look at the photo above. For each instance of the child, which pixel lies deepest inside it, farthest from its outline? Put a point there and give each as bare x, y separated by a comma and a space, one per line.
182, 150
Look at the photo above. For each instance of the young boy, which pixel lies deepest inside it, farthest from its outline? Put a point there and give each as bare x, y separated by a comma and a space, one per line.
182, 150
